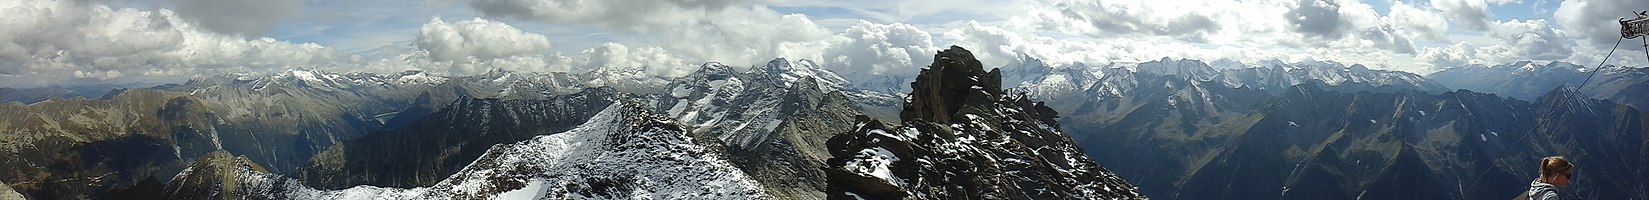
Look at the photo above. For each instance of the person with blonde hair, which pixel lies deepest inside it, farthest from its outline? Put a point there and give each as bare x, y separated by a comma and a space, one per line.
1555, 172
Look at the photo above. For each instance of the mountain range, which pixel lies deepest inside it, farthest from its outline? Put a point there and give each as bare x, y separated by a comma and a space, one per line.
790, 129
1187, 130
1527, 80
760, 133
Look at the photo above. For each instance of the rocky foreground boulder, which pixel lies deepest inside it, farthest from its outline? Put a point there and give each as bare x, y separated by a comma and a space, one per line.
964, 138
6, 193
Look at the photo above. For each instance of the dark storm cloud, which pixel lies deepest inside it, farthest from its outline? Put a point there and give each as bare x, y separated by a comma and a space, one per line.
244, 17
1317, 17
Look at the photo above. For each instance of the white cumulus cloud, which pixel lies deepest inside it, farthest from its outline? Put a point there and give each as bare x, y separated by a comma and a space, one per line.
1241, 30
477, 39
1595, 22
650, 59
1188, 20
1529, 40
869, 49
49, 41
740, 36
1000, 47
728, 31
1462, 53
639, 15
1421, 22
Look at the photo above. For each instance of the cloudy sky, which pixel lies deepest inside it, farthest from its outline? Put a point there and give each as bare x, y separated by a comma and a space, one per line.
45, 42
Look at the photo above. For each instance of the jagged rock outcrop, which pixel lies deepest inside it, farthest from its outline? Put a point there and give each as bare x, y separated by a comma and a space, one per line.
963, 138
953, 81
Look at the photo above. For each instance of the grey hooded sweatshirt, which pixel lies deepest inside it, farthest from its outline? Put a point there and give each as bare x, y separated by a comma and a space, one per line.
1541, 191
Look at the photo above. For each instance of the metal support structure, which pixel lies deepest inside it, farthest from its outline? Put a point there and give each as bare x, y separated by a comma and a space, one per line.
1635, 27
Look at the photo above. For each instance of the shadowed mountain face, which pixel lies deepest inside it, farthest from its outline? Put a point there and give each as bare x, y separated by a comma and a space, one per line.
438, 145
69, 149
963, 138
1613, 137
73, 148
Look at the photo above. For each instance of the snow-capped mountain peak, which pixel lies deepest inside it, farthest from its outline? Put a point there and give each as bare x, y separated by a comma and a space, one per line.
785, 73
1527, 66
1189, 69
418, 76
319, 80
744, 109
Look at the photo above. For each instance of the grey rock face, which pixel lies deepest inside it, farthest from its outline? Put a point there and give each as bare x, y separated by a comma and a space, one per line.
771, 121
963, 138
6, 193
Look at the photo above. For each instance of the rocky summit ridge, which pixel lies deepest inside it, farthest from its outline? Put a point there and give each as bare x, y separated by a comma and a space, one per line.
963, 138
